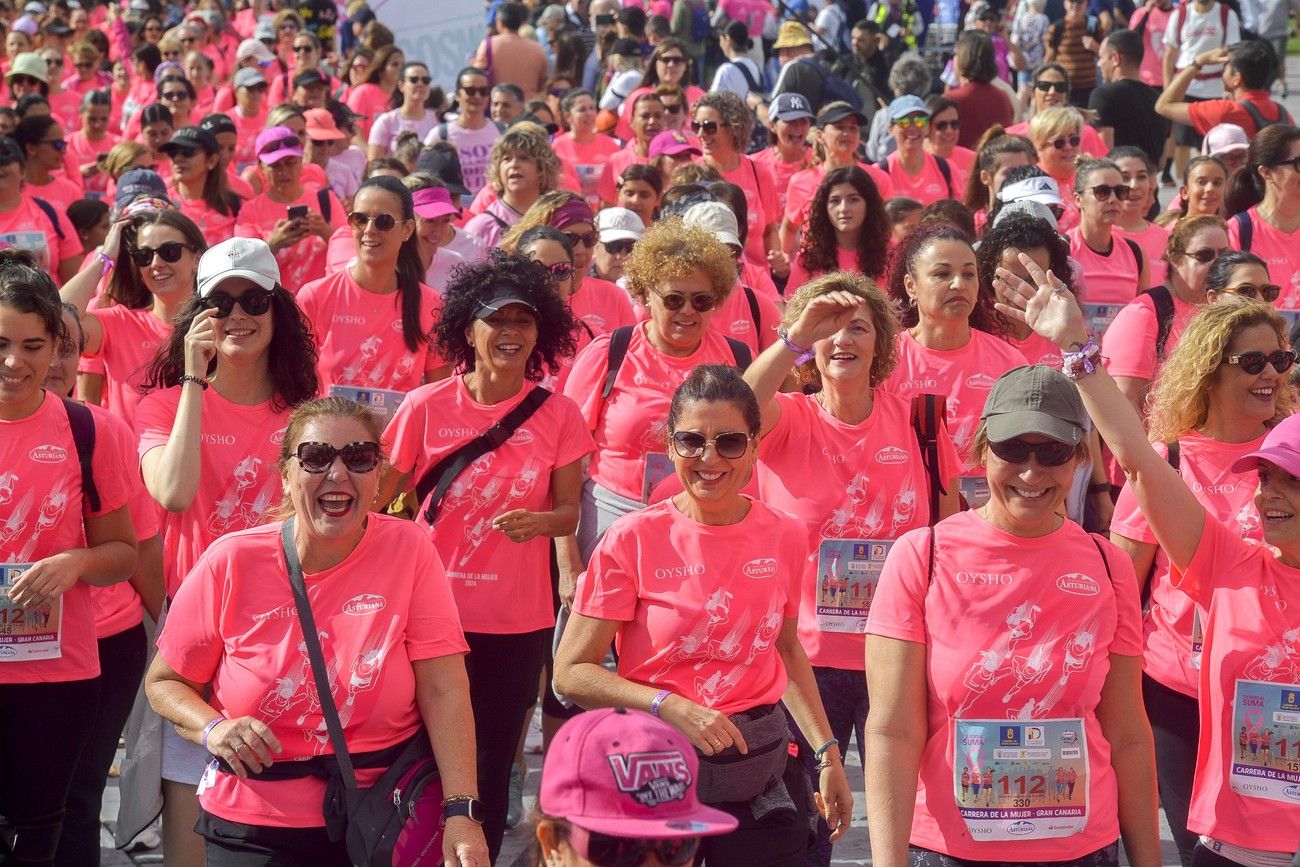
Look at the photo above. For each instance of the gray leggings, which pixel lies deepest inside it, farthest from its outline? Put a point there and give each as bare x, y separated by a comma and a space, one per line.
600, 507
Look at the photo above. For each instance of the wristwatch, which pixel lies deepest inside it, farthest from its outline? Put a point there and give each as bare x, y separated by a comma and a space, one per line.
463, 805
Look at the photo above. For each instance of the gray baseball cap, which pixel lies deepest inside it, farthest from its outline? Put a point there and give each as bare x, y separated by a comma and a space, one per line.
1034, 399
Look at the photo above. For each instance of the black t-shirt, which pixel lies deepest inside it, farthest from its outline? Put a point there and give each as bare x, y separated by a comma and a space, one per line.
319, 17
1129, 108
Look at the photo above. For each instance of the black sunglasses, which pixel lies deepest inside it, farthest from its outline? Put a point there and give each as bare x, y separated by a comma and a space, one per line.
945, 125
1045, 86
588, 240
1017, 451
672, 61
690, 444
1253, 362
1066, 141
605, 851
1294, 162
383, 222
560, 271
281, 143
57, 143
302, 49
476, 91
701, 302
175, 95
317, 458
708, 127
1205, 255
254, 302
1269, 292
84, 65
418, 79
674, 108
620, 248
168, 252
1105, 191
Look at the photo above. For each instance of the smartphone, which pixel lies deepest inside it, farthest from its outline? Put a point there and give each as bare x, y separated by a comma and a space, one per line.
298, 212
604, 20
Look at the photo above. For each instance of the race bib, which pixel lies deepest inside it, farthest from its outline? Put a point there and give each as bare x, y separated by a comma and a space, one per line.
847, 573
1266, 741
974, 490
1099, 316
1021, 781
33, 242
658, 466
1198, 639
381, 402
27, 633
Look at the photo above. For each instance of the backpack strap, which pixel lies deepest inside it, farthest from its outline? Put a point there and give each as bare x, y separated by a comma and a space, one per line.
51, 213
1137, 252
323, 198
1245, 229
1173, 456
82, 423
928, 412
740, 352
619, 340
1163, 300
439, 478
946, 171
1105, 561
754, 313
744, 70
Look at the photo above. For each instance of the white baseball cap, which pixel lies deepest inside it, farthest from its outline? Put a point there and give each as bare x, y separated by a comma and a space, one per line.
1224, 138
714, 217
1040, 189
250, 258
619, 224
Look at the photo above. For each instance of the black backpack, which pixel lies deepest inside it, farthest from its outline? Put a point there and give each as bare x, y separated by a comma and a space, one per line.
834, 88
621, 338
1163, 300
1283, 116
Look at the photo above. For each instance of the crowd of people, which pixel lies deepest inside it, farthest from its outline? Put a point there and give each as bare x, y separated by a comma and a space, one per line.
738, 380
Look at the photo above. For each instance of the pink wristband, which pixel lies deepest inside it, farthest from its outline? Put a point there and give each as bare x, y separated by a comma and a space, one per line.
207, 729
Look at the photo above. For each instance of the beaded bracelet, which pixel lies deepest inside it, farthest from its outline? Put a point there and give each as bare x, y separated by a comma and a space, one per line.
1083, 361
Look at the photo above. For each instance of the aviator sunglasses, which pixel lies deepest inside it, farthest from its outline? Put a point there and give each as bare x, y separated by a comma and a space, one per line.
690, 444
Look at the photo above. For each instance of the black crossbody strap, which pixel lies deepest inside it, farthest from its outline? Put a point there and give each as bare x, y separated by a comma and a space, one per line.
311, 639
439, 478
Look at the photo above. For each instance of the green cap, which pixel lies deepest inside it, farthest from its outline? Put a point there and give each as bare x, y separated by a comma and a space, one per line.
1034, 399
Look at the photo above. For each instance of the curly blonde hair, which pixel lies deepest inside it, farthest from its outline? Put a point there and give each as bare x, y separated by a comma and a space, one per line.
529, 140
1180, 400
881, 310
670, 250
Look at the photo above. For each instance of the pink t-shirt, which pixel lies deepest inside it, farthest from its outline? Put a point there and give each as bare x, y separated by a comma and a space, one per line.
964, 376
1153, 240
1128, 348
782, 171
864, 481
760, 199
1015, 629
700, 607
1205, 466
304, 261
131, 340
239, 476
804, 184
27, 227
389, 125
41, 513
359, 338
369, 101
84, 151
1281, 250
216, 226
632, 422
233, 625
926, 187
474, 147
501, 587
599, 306
1037, 350
588, 159
247, 128
1113, 276
845, 260
607, 186
1249, 645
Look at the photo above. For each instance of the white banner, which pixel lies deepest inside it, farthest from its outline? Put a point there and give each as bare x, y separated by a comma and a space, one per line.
442, 33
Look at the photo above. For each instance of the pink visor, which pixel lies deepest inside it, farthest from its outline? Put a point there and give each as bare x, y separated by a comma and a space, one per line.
433, 202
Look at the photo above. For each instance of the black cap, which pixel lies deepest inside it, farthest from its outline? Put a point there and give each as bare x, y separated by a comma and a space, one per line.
57, 28
216, 124
192, 137
443, 164
307, 79
10, 152
500, 296
626, 48
838, 113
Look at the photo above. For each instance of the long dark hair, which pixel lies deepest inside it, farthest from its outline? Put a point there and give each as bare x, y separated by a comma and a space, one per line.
818, 252
291, 355
125, 286
410, 272
983, 316
651, 76
1271, 145
26, 288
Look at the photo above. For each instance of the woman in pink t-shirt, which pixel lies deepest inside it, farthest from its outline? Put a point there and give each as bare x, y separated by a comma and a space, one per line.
62, 537
147, 272
411, 114
239, 357
521, 168
503, 327
913, 171
198, 185
1263, 202
1248, 672
1115, 267
701, 594
582, 147
1209, 415
1139, 173
941, 140
843, 456
723, 123
1007, 637
847, 229
1056, 134
996, 153
387, 623
88, 145
372, 319
374, 95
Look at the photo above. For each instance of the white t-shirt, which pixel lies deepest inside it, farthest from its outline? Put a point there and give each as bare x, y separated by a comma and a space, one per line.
728, 77
1202, 32
619, 89
474, 147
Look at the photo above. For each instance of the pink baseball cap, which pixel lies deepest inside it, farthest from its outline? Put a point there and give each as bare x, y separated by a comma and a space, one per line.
276, 143
672, 142
433, 202
626, 773
1281, 447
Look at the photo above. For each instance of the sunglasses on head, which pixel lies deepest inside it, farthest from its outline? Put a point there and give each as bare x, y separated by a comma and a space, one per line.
1102, 192
701, 302
606, 851
708, 127
1253, 362
560, 271
168, 252
588, 239
945, 125
1045, 86
383, 222
1017, 451
1269, 292
1205, 255
690, 444
358, 457
254, 302
418, 79
476, 91
620, 248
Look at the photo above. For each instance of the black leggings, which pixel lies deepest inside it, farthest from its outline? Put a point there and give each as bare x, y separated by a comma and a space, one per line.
503, 674
781, 839
121, 665
1106, 856
235, 844
1176, 727
43, 727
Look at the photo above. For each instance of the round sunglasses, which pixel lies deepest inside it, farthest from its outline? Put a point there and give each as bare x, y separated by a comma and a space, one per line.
1066, 141
690, 444
701, 302
1268, 292
383, 222
1017, 451
168, 252
254, 302
358, 457
1253, 362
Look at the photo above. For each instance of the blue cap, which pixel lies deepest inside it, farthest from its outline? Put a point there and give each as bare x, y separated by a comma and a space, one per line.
136, 184
790, 106
905, 105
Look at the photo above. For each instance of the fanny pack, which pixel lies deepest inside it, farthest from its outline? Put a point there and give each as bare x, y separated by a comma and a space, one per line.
754, 777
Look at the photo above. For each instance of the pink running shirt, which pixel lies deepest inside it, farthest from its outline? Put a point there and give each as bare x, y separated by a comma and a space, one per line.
130, 340
1113, 276
1128, 347
1281, 250
300, 263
